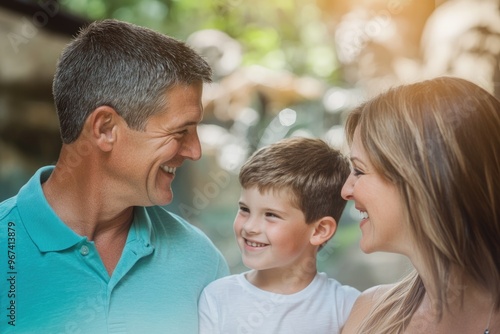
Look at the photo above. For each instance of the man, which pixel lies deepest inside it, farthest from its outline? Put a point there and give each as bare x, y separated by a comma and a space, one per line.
86, 246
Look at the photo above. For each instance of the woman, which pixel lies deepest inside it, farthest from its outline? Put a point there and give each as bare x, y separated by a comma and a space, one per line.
426, 178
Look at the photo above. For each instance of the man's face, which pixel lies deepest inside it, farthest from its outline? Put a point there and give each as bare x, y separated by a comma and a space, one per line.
149, 158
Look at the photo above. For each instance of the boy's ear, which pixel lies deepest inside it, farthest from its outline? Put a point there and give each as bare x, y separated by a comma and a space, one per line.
103, 122
324, 229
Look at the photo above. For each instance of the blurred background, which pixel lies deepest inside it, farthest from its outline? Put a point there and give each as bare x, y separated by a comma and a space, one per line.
281, 68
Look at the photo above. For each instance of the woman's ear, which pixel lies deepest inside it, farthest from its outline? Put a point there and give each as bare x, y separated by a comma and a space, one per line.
103, 122
324, 229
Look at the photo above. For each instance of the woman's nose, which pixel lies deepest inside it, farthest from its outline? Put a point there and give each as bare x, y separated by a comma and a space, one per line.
347, 188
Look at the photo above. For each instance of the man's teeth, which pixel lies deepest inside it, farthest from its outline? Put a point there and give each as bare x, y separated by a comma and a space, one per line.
364, 214
254, 244
168, 169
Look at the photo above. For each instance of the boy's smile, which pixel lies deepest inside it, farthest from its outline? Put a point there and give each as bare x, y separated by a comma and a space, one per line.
253, 244
271, 232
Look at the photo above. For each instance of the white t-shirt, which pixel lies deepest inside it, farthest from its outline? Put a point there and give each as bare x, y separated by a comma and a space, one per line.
232, 305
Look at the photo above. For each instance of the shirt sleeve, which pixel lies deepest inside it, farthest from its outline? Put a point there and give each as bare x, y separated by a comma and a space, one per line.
347, 296
207, 314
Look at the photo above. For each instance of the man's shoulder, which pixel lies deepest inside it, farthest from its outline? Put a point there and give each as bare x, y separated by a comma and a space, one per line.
163, 219
6, 208
173, 232
31, 189
167, 225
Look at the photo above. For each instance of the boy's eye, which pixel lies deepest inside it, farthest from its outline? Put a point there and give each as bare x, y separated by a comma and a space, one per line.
270, 214
244, 209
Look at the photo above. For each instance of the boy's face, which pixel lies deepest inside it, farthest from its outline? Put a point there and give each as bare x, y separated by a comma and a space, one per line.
272, 233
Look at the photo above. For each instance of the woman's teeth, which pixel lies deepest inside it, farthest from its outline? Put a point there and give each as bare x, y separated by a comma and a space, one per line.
364, 214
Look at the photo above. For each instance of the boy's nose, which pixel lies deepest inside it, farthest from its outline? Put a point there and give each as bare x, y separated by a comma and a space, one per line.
252, 226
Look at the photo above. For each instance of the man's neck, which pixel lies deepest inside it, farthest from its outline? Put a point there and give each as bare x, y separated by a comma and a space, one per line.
88, 212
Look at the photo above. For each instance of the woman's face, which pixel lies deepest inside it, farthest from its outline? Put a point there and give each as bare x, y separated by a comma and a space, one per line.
379, 204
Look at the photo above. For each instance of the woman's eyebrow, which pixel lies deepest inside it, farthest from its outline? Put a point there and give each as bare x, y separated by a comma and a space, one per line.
356, 159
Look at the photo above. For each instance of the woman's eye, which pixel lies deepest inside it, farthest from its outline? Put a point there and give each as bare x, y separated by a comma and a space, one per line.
357, 172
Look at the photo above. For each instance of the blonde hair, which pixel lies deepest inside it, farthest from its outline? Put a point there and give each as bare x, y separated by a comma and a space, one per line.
438, 141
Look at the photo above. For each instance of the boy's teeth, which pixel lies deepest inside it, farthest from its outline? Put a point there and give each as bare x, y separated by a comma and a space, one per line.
254, 244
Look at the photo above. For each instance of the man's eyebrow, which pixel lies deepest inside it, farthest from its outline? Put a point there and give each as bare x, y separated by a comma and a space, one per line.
192, 123
188, 124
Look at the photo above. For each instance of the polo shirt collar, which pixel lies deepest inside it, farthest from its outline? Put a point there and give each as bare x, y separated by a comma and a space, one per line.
44, 227
141, 230
50, 233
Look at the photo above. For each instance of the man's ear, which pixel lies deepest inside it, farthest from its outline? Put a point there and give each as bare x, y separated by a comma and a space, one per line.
325, 228
103, 122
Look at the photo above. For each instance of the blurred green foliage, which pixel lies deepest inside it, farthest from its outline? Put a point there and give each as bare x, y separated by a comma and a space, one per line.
280, 34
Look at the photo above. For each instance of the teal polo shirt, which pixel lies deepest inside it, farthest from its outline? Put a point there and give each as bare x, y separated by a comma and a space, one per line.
53, 280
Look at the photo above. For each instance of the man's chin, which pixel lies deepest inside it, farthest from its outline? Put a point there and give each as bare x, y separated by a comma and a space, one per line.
161, 199
165, 202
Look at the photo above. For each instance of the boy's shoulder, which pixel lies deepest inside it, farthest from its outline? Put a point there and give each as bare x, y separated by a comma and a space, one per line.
334, 285
224, 287
223, 283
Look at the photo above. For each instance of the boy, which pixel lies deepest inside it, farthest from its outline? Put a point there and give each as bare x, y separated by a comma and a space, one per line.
289, 207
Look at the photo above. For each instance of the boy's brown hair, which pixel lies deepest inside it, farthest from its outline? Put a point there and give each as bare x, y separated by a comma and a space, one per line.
311, 170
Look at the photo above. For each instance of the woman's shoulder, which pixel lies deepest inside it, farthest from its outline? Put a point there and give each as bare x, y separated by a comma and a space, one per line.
363, 305
376, 292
